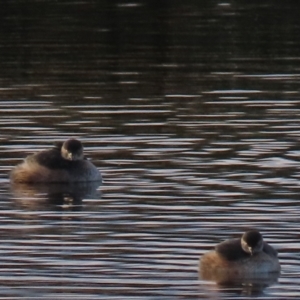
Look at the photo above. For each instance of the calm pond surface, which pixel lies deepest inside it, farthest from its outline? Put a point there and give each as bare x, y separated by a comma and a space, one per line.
191, 111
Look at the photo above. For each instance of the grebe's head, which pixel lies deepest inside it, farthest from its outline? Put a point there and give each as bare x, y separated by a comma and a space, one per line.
72, 150
252, 242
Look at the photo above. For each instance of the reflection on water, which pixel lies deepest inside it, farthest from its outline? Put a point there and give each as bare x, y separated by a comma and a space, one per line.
190, 111
245, 285
37, 196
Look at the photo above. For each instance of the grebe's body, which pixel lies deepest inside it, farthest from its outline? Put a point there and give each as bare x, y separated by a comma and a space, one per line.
64, 163
249, 255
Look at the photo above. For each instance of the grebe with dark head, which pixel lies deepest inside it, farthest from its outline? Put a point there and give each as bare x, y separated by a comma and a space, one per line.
248, 255
65, 163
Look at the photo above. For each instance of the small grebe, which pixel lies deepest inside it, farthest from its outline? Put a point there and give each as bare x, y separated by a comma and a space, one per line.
248, 255
64, 163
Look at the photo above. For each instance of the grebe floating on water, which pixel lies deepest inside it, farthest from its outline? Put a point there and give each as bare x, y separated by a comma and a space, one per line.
248, 255
65, 163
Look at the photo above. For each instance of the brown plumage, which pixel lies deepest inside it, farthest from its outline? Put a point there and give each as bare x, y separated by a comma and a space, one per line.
249, 255
63, 163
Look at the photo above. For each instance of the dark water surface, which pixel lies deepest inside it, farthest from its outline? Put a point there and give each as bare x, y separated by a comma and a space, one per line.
191, 111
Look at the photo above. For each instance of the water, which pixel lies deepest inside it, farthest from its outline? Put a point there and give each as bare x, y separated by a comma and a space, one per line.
190, 111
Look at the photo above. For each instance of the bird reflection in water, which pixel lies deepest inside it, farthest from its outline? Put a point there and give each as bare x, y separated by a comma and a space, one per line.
57, 196
242, 285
